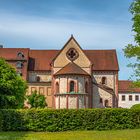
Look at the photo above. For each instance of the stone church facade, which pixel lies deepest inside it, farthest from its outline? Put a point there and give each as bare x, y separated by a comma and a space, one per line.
70, 78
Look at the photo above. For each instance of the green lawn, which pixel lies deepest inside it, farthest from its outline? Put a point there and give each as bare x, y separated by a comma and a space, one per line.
75, 135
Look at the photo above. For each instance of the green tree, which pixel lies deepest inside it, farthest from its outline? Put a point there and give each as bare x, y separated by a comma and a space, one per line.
133, 50
12, 87
36, 100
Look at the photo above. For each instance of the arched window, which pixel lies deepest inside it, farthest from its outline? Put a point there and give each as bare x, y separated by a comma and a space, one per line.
20, 55
72, 86
104, 80
37, 78
101, 100
106, 103
57, 87
19, 64
86, 87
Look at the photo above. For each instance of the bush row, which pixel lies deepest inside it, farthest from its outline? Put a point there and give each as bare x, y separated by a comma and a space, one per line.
64, 120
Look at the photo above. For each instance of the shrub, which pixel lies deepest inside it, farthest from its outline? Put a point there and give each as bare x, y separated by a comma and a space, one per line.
136, 106
36, 100
64, 120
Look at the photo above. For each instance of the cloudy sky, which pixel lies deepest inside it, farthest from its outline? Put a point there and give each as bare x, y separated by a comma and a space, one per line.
48, 24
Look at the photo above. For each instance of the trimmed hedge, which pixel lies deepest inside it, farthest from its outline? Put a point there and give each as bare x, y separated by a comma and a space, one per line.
136, 106
64, 120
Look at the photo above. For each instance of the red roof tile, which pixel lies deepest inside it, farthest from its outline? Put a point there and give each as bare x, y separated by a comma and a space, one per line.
41, 59
11, 53
103, 59
126, 87
71, 68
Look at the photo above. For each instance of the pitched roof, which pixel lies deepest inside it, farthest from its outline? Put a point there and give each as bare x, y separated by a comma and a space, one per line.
11, 53
41, 59
125, 86
71, 68
103, 59
104, 87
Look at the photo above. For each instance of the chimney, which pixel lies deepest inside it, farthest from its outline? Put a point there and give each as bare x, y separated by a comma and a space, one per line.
1, 46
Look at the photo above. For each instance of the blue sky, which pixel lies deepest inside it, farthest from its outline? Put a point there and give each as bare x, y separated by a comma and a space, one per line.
48, 24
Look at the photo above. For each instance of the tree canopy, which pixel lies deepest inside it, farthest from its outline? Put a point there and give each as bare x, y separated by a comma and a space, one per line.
133, 50
12, 87
36, 100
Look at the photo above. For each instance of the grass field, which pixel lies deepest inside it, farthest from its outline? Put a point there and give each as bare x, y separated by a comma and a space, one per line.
73, 135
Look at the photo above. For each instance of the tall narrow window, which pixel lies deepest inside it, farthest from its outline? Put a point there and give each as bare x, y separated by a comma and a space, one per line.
86, 87
37, 78
72, 86
104, 80
130, 97
101, 100
106, 103
57, 87
19, 64
123, 97
136, 97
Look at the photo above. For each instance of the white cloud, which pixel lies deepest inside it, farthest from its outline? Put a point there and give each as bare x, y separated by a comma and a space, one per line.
91, 35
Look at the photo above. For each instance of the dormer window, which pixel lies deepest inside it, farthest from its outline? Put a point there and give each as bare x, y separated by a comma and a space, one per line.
19, 64
20, 55
72, 54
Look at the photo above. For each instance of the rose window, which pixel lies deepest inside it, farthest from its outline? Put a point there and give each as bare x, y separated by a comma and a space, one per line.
72, 54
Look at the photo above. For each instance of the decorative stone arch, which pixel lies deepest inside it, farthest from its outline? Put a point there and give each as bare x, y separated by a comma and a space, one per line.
72, 86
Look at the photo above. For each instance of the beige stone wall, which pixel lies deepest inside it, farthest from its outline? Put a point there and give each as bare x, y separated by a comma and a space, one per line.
72, 102
97, 77
100, 93
42, 88
87, 102
62, 59
63, 85
44, 76
57, 102
62, 102
65, 80
81, 101
81, 84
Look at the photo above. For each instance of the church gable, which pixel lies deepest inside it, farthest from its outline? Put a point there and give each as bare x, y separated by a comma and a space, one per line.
71, 52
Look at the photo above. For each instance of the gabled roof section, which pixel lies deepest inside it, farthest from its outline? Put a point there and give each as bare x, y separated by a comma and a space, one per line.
103, 60
71, 38
11, 53
104, 87
40, 60
71, 69
126, 86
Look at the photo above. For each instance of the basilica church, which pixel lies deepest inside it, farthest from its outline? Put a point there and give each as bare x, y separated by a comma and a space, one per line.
70, 78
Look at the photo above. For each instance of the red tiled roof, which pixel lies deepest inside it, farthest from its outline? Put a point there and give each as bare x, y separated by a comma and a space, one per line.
126, 87
41, 59
11, 53
103, 59
71, 68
